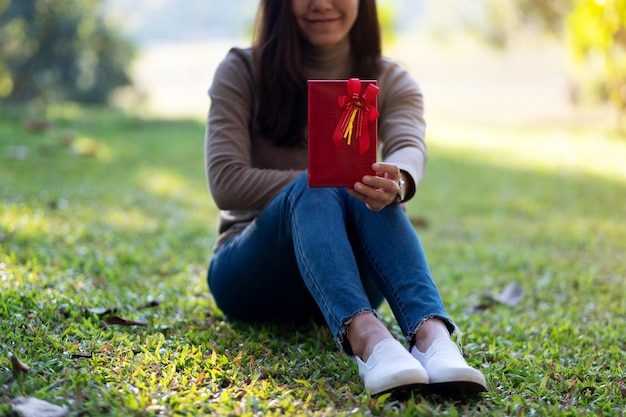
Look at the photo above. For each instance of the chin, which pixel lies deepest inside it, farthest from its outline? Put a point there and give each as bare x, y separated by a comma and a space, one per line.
324, 44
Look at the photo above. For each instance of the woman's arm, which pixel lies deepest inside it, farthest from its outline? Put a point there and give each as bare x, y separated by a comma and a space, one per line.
401, 124
234, 182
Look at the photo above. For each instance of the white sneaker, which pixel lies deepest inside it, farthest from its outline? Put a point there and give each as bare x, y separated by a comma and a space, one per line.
391, 367
447, 370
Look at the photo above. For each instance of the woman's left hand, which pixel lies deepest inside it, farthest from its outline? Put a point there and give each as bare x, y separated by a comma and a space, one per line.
377, 192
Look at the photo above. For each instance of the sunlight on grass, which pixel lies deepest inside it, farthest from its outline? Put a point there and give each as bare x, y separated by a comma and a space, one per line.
545, 148
90, 147
163, 184
64, 111
23, 220
130, 219
543, 207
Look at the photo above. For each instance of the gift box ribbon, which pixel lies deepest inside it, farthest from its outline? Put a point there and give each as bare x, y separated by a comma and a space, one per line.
358, 111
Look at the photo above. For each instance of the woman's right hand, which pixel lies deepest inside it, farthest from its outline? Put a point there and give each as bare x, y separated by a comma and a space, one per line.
379, 191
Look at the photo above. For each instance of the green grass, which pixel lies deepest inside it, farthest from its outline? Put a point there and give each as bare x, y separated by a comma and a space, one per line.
106, 210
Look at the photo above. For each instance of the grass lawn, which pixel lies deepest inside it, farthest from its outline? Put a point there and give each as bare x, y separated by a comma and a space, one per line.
106, 217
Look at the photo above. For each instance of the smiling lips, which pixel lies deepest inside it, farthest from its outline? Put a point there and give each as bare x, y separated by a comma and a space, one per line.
322, 21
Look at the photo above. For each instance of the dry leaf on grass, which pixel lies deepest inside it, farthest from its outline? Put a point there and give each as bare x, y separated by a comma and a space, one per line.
36, 125
108, 316
100, 311
149, 304
17, 152
19, 367
32, 407
124, 322
510, 296
81, 355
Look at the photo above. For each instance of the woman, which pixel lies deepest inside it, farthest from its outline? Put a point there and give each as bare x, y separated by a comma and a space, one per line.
287, 252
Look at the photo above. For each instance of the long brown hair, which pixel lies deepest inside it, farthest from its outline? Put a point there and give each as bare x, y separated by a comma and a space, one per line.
281, 85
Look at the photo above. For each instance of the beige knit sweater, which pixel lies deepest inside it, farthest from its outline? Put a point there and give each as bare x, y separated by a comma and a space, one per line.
246, 171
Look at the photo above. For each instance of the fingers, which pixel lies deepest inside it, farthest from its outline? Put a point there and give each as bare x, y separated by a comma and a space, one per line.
379, 191
390, 171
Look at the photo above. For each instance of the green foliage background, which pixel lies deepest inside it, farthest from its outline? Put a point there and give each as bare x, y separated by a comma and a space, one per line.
594, 32
596, 36
60, 50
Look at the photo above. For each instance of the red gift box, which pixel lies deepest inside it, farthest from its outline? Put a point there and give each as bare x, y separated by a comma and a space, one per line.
343, 131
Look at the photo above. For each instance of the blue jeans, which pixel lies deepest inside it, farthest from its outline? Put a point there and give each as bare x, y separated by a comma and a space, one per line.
318, 250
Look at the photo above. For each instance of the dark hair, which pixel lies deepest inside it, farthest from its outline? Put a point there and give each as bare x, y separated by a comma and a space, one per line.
281, 85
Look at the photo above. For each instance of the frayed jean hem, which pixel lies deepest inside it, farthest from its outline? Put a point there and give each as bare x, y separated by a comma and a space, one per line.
410, 338
343, 344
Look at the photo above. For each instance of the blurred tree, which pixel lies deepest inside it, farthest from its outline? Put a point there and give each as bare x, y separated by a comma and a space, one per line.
596, 36
594, 31
388, 24
60, 50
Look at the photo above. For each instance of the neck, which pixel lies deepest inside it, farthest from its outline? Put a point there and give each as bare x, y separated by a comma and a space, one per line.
332, 63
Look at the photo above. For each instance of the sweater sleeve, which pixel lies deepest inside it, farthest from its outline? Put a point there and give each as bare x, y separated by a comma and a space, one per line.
401, 124
234, 183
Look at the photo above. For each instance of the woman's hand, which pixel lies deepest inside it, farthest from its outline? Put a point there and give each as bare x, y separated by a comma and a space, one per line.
378, 191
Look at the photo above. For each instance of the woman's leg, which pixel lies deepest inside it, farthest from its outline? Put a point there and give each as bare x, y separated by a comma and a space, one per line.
255, 276
387, 246
323, 242
302, 248
392, 252
318, 226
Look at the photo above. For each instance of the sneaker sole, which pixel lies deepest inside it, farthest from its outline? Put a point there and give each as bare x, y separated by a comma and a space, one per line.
403, 390
457, 388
